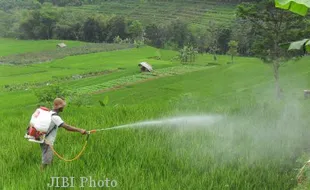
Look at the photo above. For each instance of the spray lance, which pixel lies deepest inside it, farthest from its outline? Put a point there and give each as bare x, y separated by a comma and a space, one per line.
171, 121
104, 129
85, 144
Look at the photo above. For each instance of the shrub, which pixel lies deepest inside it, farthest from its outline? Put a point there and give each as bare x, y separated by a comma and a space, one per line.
47, 95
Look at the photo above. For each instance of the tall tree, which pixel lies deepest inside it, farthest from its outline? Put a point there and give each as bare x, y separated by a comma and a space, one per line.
178, 33
200, 38
117, 26
213, 43
94, 29
272, 27
244, 33
70, 26
135, 29
39, 24
156, 35
224, 36
48, 19
152, 35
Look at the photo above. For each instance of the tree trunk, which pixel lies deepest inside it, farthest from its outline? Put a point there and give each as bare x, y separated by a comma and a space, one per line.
48, 33
76, 36
232, 59
276, 67
276, 64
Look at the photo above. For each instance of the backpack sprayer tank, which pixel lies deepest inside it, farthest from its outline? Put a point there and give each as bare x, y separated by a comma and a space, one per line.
39, 125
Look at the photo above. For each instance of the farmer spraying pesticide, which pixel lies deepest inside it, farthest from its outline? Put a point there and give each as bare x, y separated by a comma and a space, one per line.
43, 129
45, 123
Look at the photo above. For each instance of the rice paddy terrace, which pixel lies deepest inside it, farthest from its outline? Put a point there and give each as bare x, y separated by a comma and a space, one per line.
197, 13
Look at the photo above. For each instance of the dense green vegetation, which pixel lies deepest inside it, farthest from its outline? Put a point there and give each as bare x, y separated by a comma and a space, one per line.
208, 26
242, 152
259, 142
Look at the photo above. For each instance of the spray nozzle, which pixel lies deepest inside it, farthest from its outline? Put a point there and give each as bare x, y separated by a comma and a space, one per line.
91, 131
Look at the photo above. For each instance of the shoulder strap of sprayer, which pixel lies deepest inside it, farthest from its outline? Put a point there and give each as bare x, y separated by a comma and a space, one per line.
51, 128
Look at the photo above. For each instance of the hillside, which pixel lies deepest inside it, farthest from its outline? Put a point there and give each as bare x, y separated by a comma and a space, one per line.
256, 146
12, 46
198, 13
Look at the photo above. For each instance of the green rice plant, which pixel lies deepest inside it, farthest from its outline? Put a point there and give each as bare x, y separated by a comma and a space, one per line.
123, 81
13, 46
259, 143
44, 56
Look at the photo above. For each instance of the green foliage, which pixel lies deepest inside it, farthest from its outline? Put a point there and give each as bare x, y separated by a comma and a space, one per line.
70, 25
158, 55
233, 46
297, 48
299, 45
50, 22
201, 41
117, 26
178, 33
40, 24
154, 35
63, 2
138, 43
223, 38
244, 33
173, 35
81, 23
118, 40
94, 29
301, 8
9, 23
244, 144
8, 5
105, 101
93, 64
58, 23
296, 6
47, 95
135, 30
187, 55
213, 38
80, 100
136, 78
265, 19
163, 12
273, 26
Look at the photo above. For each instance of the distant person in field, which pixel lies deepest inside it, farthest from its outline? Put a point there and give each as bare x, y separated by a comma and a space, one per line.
47, 153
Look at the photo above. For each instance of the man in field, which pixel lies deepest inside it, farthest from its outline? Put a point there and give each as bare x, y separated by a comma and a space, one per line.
47, 153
